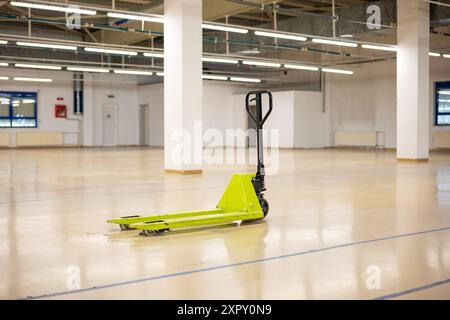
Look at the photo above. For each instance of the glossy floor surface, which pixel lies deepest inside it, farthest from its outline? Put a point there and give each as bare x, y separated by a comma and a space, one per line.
343, 224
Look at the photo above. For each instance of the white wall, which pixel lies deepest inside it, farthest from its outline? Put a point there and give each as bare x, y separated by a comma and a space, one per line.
220, 110
311, 121
123, 90
47, 98
367, 100
96, 91
153, 96
281, 119
297, 116
223, 109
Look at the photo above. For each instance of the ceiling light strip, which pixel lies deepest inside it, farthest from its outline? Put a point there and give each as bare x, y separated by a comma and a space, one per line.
213, 77
261, 64
335, 42
156, 19
240, 79
339, 71
37, 66
32, 79
220, 60
134, 72
154, 55
280, 35
45, 45
224, 28
111, 51
378, 47
86, 69
300, 67
67, 9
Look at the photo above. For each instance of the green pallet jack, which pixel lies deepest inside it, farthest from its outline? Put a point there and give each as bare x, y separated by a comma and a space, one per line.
243, 199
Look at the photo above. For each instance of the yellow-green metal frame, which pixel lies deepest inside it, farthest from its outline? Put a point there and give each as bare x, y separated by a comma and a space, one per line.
239, 202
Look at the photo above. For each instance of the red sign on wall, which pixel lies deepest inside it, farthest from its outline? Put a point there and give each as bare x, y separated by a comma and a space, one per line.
60, 111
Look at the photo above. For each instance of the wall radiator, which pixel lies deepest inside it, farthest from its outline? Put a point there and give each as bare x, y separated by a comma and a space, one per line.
4, 139
442, 140
39, 139
355, 138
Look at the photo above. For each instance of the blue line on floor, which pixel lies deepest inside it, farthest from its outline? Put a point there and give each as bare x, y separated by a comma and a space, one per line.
232, 265
416, 289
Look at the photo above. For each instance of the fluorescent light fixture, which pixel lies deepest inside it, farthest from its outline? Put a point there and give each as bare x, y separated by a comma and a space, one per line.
3, 64
32, 79
68, 9
220, 60
28, 101
135, 17
340, 71
46, 45
280, 35
239, 79
298, 67
376, 47
434, 54
335, 42
446, 93
223, 28
262, 64
446, 56
4, 78
212, 77
154, 55
112, 51
3, 42
160, 74
37, 66
87, 69
135, 72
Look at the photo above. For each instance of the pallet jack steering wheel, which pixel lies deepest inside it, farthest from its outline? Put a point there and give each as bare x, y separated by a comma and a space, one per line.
259, 119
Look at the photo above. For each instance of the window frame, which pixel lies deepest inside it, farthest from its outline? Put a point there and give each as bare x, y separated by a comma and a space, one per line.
438, 86
20, 94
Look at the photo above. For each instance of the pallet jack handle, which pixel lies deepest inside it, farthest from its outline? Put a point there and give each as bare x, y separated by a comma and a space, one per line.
259, 122
259, 119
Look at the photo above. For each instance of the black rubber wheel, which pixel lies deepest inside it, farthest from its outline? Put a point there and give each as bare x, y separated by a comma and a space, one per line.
264, 205
125, 227
148, 233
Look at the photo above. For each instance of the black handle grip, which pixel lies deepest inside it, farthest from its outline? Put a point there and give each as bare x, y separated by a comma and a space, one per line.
247, 105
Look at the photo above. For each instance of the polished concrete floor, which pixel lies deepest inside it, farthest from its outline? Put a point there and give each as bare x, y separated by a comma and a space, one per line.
344, 224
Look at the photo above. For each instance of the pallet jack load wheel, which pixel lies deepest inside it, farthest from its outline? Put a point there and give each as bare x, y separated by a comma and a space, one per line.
149, 233
125, 227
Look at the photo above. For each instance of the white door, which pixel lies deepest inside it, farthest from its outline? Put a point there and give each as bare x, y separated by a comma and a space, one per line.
144, 127
109, 124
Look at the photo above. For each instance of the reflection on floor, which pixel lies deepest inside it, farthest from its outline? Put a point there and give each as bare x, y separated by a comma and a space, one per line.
344, 224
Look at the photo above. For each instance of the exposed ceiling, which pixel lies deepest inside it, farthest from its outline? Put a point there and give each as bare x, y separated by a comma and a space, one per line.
312, 17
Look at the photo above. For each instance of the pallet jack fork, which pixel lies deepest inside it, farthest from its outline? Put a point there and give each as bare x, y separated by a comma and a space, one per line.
243, 199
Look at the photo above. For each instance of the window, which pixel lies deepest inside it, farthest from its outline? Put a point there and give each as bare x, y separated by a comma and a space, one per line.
442, 104
18, 109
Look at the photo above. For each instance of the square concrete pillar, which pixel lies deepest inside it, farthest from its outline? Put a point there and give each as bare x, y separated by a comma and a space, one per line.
183, 46
413, 76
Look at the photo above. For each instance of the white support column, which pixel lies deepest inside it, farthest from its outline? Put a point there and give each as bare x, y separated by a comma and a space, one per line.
183, 134
413, 74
